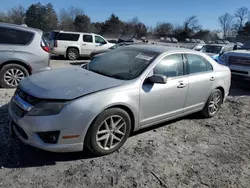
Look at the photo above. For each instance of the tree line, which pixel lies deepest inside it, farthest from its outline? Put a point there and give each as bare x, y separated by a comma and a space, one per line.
236, 24
45, 17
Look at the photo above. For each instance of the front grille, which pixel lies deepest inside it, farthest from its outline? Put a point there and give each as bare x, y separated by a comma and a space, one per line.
17, 110
21, 132
28, 98
242, 61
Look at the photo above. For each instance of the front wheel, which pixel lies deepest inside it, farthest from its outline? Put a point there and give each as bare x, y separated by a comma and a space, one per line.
213, 104
109, 131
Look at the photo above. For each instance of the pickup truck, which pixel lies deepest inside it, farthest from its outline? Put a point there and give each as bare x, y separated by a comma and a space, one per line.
238, 61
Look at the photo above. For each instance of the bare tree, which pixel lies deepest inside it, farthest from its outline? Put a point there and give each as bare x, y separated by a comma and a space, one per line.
226, 21
74, 12
67, 18
16, 15
241, 15
192, 24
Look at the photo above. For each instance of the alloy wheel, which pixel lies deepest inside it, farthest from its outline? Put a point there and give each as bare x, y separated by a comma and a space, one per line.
214, 104
111, 132
13, 76
72, 54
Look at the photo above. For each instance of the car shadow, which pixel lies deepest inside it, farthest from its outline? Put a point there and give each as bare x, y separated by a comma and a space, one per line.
78, 63
59, 57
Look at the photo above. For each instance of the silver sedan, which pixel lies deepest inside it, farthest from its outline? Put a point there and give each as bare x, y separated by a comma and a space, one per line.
122, 91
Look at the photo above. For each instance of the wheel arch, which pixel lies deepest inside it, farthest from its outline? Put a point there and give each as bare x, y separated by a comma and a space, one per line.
75, 47
222, 91
18, 62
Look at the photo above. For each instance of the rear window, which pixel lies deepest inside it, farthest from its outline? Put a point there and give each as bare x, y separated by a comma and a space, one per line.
14, 36
88, 38
68, 36
53, 35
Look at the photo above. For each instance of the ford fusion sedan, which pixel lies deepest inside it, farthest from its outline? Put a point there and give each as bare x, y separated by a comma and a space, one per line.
122, 91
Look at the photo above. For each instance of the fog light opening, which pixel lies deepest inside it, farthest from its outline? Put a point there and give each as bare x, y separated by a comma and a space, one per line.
49, 137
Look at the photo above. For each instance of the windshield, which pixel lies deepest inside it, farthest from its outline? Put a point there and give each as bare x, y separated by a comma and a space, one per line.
211, 49
114, 47
124, 64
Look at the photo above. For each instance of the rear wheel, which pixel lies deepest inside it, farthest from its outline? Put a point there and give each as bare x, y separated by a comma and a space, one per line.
72, 54
109, 131
213, 104
12, 74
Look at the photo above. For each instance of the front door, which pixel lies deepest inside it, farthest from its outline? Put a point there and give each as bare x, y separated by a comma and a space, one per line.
201, 78
163, 101
88, 45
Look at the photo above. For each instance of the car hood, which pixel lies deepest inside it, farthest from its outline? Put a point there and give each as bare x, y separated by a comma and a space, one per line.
66, 83
245, 53
211, 54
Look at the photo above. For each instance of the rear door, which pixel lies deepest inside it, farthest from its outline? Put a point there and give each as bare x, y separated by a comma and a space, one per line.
88, 45
201, 78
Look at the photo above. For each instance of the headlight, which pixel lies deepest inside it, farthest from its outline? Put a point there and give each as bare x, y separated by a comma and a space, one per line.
46, 108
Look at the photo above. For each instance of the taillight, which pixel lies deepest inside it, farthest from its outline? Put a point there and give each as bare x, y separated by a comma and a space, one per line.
46, 48
55, 43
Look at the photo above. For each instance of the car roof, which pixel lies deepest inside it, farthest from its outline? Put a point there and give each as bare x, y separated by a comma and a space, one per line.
73, 32
158, 48
221, 45
20, 27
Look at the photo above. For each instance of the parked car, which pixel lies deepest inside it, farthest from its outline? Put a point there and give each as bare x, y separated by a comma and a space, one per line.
193, 40
187, 40
122, 91
215, 50
101, 52
174, 40
238, 61
162, 39
74, 44
23, 51
168, 39
198, 47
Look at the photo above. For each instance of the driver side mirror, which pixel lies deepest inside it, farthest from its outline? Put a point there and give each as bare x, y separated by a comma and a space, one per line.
158, 78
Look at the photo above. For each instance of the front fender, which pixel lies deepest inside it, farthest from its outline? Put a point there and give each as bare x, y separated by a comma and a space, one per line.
84, 110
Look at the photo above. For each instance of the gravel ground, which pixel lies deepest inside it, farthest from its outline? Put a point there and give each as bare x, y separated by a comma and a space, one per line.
188, 152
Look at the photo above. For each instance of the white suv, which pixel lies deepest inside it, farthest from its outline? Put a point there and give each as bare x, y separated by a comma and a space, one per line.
73, 45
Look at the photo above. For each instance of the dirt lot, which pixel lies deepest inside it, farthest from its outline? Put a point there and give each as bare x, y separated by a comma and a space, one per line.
189, 152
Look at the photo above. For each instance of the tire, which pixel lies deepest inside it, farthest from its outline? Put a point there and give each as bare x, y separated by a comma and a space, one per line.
92, 136
207, 112
6, 73
72, 54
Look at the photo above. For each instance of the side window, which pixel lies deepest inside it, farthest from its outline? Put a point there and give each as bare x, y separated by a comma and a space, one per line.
68, 37
196, 64
99, 40
170, 66
14, 36
88, 38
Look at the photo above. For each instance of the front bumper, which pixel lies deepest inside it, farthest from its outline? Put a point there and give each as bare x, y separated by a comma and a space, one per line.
30, 125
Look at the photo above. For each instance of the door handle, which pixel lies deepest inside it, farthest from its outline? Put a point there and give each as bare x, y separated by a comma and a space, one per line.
212, 78
181, 85
84, 44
